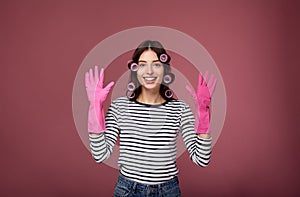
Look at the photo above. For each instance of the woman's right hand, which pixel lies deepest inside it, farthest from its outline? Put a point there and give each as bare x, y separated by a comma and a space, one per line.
96, 95
94, 86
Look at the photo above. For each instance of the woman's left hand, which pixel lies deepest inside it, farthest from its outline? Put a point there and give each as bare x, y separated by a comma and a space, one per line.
202, 98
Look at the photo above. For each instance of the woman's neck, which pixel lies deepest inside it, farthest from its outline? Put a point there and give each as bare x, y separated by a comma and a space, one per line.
149, 97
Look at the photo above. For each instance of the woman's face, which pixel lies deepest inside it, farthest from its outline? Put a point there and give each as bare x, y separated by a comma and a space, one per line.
151, 70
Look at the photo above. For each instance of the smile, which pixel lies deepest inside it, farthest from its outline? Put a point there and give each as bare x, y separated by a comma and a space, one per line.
150, 78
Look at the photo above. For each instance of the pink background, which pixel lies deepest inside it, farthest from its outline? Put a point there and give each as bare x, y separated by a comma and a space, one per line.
254, 43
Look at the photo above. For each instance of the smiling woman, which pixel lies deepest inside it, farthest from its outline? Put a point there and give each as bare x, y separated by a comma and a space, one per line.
153, 73
148, 122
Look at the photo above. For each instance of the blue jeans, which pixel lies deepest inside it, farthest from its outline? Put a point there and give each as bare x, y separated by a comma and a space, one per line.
125, 187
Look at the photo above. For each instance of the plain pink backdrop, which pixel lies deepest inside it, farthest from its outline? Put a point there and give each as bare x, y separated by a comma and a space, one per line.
254, 43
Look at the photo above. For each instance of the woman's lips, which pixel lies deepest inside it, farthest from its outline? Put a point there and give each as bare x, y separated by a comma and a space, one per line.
149, 80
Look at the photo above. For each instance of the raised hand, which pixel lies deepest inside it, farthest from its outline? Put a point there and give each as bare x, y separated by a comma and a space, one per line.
96, 95
202, 99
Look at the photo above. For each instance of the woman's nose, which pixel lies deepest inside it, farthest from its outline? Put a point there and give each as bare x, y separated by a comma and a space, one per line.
149, 69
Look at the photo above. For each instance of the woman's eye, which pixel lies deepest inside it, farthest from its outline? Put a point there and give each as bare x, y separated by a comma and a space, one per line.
157, 64
142, 65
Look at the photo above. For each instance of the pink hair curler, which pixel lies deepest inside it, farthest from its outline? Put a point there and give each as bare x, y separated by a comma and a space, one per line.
129, 63
131, 86
167, 79
168, 93
163, 58
130, 94
134, 67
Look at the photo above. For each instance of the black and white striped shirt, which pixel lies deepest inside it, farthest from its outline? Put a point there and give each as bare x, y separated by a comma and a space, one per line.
148, 135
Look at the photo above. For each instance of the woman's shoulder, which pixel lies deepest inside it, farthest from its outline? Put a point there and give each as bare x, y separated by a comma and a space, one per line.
178, 102
121, 99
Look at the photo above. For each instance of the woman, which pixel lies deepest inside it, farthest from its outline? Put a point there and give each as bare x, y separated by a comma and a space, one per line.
148, 122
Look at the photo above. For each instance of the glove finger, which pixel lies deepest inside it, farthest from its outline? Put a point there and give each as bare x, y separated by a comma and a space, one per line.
87, 80
91, 76
213, 87
205, 78
109, 86
200, 79
101, 77
210, 81
191, 91
96, 74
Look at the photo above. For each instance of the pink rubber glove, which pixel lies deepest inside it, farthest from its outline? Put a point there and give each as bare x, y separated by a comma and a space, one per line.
96, 95
202, 99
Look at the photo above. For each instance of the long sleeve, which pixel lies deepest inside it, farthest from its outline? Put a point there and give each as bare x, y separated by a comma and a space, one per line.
199, 148
148, 136
102, 145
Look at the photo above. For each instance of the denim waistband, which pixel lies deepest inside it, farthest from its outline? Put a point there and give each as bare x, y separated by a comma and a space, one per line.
141, 186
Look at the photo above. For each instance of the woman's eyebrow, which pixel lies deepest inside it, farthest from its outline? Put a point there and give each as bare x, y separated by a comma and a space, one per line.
146, 61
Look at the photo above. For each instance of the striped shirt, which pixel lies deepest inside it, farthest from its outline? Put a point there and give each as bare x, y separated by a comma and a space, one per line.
148, 136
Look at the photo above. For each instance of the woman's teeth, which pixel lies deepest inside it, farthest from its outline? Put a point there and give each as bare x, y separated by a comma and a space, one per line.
149, 78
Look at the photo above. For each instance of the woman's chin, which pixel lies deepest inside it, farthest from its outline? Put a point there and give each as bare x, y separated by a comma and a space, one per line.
152, 86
